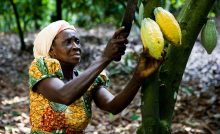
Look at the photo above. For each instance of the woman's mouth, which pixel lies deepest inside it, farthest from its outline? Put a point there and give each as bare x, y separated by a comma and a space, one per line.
76, 55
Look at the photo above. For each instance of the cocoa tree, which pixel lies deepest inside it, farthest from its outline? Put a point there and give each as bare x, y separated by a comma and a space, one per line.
20, 31
59, 9
160, 90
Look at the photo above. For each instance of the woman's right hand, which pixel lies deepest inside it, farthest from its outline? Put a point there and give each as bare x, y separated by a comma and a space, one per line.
116, 46
147, 65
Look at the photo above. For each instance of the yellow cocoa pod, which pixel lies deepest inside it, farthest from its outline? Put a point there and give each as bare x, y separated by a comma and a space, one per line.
168, 25
152, 37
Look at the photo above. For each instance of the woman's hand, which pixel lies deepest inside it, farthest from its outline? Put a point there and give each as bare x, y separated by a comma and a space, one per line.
116, 46
115, 104
148, 65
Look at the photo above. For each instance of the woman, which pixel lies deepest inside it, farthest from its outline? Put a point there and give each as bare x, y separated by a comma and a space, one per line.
60, 96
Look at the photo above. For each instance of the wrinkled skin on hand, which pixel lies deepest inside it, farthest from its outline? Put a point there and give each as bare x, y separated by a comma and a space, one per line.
116, 46
147, 65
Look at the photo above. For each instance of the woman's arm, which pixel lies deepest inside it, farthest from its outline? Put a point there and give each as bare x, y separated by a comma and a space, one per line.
55, 90
115, 104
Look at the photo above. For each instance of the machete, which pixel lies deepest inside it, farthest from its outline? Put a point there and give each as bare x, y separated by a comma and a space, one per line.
129, 16
127, 20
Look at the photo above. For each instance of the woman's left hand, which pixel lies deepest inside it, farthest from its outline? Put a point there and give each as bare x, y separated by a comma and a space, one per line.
147, 65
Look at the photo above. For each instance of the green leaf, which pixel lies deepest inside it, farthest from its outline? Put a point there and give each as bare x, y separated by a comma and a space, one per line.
15, 113
111, 117
141, 13
188, 90
134, 117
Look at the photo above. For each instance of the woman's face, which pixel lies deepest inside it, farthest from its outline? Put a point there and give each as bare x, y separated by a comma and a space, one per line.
66, 47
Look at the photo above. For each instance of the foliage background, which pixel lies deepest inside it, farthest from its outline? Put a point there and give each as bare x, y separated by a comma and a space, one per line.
96, 20
35, 14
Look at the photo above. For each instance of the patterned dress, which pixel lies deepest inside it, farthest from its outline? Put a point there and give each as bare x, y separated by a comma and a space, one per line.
48, 117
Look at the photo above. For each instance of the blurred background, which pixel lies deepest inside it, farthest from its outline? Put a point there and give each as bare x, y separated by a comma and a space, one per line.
198, 103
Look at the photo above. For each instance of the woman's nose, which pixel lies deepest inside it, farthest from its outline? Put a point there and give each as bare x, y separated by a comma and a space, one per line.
76, 45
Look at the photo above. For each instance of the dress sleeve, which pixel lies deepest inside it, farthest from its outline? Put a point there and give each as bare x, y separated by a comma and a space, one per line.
42, 68
102, 80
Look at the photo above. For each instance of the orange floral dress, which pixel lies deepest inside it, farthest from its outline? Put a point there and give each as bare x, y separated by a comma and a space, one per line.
48, 117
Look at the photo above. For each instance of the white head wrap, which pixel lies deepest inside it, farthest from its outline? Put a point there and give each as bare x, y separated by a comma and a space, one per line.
46, 36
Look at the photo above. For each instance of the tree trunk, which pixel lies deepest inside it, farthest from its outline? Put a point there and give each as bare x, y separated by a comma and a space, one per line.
166, 83
150, 92
191, 19
59, 9
21, 35
150, 106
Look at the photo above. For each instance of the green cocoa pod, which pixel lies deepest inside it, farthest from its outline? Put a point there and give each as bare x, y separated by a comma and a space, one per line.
209, 36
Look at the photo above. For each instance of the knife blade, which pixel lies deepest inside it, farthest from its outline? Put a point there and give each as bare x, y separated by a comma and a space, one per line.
127, 20
129, 16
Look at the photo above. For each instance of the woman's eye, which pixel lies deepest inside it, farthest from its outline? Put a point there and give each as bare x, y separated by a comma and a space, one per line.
68, 41
77, 41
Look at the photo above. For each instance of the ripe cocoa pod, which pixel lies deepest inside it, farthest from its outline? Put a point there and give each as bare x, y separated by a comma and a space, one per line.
168, 25
152, 38
209, 36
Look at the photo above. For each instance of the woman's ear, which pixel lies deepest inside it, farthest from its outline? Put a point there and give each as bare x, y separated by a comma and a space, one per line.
51, 52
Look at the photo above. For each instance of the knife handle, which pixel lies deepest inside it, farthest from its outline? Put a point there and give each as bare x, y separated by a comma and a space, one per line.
122, 35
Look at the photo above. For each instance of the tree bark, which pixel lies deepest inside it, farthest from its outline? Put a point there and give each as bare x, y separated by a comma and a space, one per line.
59, 9
21, 35
165, 83
150, 92
150, 106
191, 19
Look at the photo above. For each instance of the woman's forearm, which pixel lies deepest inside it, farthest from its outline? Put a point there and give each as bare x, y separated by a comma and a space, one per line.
79, 85
124, 98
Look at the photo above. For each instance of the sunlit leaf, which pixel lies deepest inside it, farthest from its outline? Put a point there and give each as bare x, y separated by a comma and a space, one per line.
141, 13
